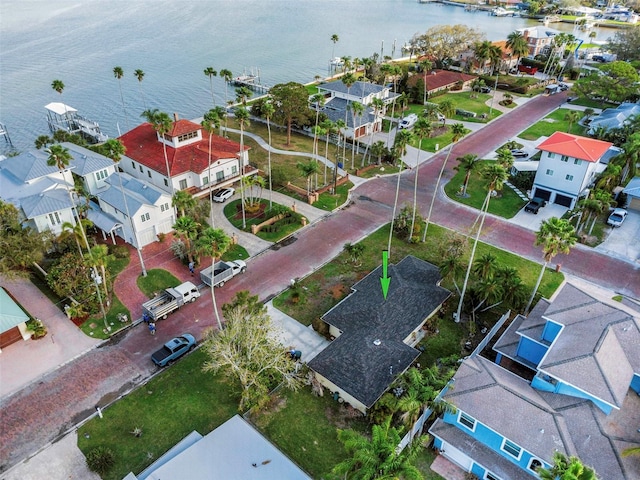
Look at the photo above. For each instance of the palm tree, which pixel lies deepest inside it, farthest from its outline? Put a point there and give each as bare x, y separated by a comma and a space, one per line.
267, 112
518, 44
114, 149
348, 79
187, 228
566, 468
555, 236
100, 258
139, 74
248, 184
161, 123
399, 149
378, 457
481, 52
210, 72
210, 122
631, 155
496, 175
242, 116
378, 149
505, 158
458, 130
70, 229
318, 101
243, 94
356, 109
119, 73
334, 39
58, 86
43, 141
213, 242
467, 163
307, 170
422, 129
447, 108
182, 201
328, 127
572, 117
228, 76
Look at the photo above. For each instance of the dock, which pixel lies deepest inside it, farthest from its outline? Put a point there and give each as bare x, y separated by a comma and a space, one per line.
250, 80
64, 117
5, 134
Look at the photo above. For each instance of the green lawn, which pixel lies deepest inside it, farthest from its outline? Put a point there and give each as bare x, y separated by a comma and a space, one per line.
167, 408
506, 205
233, 214
235, 252
304, 427
94, 327
156, 281
554, 122
472, 102
330, 202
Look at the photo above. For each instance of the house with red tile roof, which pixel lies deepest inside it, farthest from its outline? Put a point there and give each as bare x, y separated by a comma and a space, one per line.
438, 80
188, 150
568, 166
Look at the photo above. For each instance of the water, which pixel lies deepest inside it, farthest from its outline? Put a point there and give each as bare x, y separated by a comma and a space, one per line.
79, 42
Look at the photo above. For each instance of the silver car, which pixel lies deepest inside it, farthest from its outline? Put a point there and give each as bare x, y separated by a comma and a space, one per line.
617, 217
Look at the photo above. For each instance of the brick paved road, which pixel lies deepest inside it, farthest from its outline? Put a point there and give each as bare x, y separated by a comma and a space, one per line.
39, 413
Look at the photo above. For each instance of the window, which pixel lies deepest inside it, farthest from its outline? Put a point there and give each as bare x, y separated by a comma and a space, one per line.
187, 136
164, 208
141, 169
577, 161
219, 176
54, 218
101, 174
144, 217
467, 421
490, 476
149, 173
552, 155
569, 177
534, 464
564, 158
234, 170
183, 184
549, 172
511, 448
205, 180
166, 182
133, 164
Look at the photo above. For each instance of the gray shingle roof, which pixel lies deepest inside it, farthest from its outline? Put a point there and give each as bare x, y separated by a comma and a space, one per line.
352, 361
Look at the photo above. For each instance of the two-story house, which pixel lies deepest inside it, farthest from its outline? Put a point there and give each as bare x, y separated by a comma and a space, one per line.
539, 38
337, 99
91, 168
375, 338
568, 165
188, 156
565, 378
40, 192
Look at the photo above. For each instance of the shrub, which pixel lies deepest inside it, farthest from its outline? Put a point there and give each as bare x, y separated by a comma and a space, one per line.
37, 328
100, 460
119, 251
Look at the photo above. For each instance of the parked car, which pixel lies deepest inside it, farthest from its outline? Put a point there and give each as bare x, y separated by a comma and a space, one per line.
485, 89
173, 349
598, 58
534, 205
617, 217
563, 86
408, 121
519, 153
222, 195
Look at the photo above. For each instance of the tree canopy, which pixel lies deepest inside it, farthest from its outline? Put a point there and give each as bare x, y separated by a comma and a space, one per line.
625, 43
291, 105
445, 42
617, 83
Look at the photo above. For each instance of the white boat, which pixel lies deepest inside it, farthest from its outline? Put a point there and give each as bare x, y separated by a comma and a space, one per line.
502, 12
336, 62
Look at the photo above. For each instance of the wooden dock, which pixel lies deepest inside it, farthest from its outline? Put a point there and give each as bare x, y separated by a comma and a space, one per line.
250, 80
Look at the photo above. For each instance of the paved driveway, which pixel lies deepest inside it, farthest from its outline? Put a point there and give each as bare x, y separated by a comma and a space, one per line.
533, 221
624, 242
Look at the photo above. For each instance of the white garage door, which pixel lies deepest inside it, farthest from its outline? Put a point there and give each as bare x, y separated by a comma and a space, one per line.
457, 457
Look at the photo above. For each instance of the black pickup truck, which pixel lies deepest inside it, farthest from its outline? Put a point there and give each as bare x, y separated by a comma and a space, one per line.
534, 205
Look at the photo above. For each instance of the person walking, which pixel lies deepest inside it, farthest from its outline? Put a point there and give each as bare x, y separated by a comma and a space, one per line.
152, 328
192, 268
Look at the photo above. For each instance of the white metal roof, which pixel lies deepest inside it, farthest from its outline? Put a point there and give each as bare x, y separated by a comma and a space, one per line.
59, 108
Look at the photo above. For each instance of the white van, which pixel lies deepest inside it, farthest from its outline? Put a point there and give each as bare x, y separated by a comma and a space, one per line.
408, 121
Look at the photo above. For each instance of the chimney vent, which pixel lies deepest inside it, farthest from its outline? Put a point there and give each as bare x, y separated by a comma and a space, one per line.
175, 117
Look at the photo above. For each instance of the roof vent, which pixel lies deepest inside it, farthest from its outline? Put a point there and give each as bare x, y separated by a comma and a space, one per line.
377, 342
175, 117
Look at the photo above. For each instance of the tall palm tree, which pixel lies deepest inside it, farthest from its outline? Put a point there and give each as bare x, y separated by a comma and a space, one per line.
356, 109
556, 236
114, 149
481, 52
58, 86
496, 175
328, 127
188, 229
228, 76
467, 163
631, 155
422, 129
348, 79
318, 101
139, 74
43, 141
100, 258
183, 201
505, 158
267, 112
213, 242
518, 44
572, 117
307, 170
242, 116
334, 39
210, 122
566, 468
403, 137
243, 94
161, 123
458, 130
210, 72
118, 73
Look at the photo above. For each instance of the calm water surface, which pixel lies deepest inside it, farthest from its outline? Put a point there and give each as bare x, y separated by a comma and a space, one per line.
79, 42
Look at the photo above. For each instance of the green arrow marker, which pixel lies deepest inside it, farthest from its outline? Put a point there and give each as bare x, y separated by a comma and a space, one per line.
385, 281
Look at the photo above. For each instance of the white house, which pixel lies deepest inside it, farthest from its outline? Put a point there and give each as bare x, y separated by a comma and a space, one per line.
39, 191
187, 149
149, 210
92, 168
568, 165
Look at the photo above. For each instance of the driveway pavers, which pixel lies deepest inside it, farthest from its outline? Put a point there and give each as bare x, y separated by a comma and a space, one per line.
38, 414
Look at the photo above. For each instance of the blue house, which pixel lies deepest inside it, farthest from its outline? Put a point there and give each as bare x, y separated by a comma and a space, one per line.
566, 378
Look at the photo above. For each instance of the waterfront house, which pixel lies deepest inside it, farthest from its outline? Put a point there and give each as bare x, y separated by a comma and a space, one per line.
565, 378
130, 204
539, 38
375, 338
39, 191
91, 168
441, 80
568, 166
468, 61
187, 150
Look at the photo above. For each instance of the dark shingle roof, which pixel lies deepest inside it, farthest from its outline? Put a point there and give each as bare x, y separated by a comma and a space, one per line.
353, 361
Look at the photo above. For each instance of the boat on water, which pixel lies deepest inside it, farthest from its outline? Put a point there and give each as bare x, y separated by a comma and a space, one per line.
64, 117
502, 12
336, 62
550, 19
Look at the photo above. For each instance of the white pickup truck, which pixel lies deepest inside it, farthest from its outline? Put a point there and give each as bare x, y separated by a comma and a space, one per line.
222, 271
169, 300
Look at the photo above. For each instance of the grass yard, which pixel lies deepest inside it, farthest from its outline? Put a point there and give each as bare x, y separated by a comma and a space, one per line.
329, 202
304, 427
156, 281
235, 252
470, 101
554, 122
167, 408
507, 205
94, 327
232, 213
